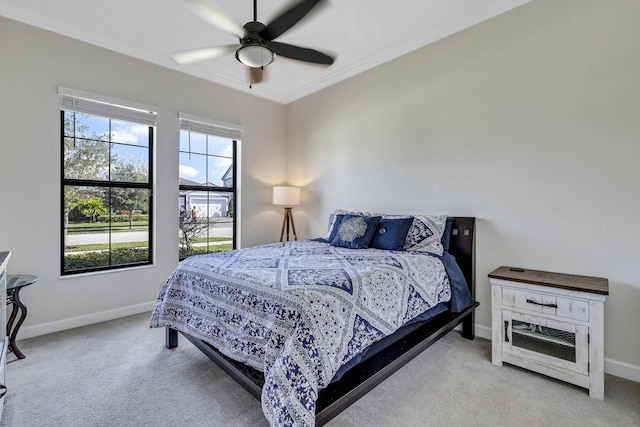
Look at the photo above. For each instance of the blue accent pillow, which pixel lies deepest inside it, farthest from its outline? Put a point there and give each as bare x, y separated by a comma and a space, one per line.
334, 227
390, 234
354, 231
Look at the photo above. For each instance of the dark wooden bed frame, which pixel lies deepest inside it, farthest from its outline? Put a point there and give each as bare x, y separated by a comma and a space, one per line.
364, 376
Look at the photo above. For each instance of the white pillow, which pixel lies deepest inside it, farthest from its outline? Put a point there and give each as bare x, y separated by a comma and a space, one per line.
425, 234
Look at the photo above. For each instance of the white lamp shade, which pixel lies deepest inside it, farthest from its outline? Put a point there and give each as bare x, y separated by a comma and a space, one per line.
286, 196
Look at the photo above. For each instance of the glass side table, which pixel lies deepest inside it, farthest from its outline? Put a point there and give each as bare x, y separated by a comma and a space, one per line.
15, 282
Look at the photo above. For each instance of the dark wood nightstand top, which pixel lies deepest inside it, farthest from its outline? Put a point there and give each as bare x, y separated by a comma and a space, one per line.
594, 285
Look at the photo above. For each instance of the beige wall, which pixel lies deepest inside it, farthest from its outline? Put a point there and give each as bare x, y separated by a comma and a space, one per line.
34, 64
529, 121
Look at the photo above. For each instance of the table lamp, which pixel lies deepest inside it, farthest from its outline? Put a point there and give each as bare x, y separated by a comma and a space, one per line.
287, 197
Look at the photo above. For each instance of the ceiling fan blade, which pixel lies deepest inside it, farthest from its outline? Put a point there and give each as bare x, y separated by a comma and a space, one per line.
199, 55
301, 53
288, 18
215, 15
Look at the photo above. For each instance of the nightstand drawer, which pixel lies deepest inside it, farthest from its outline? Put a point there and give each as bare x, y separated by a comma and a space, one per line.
548, 304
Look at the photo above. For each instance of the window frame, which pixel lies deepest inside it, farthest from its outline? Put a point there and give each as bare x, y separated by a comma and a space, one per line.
222, 130
77, 102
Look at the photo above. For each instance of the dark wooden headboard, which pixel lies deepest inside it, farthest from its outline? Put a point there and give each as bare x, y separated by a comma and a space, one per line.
462, 246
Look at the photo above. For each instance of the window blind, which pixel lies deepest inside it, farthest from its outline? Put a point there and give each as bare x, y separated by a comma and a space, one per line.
210, 127
97, 105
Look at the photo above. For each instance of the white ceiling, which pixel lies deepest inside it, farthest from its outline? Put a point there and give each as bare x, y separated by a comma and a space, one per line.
360, 33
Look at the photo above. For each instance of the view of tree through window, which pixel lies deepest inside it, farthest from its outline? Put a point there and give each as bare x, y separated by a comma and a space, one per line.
207, 190
107, 190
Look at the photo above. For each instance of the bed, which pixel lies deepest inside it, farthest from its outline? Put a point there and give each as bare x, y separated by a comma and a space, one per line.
308, 327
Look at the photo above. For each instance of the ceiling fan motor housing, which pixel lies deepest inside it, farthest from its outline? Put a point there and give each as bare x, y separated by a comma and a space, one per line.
255, 51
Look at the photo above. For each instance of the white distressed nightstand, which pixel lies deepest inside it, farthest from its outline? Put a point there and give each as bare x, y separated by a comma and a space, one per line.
550, 323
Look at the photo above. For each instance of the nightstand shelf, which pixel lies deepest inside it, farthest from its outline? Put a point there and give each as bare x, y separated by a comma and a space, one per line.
550, 323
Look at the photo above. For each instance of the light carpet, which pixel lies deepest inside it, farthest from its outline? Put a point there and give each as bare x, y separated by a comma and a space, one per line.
118, 373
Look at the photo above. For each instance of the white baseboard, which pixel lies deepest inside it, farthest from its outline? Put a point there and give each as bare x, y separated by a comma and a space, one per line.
611, 366
88, 319
483, 332
622, 369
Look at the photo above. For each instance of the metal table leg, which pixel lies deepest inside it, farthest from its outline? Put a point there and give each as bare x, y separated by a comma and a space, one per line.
12, 332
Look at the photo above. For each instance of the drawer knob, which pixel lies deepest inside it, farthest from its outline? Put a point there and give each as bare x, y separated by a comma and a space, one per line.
530, 301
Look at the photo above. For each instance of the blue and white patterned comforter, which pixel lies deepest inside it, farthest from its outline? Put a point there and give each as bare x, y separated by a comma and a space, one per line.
297, 311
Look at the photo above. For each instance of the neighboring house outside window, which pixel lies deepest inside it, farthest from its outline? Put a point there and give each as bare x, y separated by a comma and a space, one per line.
207, 188
107, 183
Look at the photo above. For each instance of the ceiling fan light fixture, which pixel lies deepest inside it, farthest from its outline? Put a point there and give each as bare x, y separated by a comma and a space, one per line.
255, 55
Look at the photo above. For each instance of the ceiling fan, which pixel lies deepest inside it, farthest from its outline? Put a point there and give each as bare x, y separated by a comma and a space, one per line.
257, 46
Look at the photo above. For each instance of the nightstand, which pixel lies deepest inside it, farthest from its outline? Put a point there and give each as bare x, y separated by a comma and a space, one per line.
550, 323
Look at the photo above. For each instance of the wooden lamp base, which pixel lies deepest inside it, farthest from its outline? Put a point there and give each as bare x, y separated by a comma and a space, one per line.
286, 219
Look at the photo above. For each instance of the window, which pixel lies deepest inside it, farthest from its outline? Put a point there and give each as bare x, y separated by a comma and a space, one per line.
207, 188
107, 184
